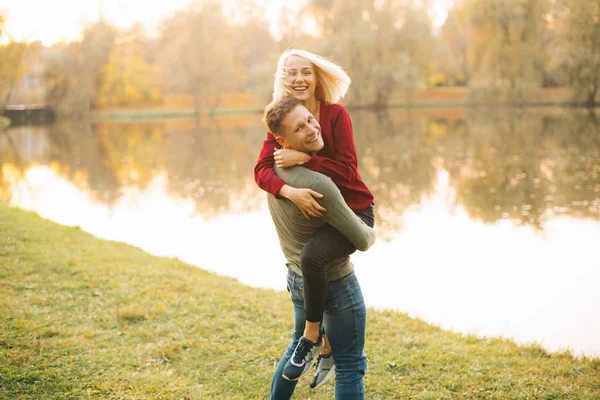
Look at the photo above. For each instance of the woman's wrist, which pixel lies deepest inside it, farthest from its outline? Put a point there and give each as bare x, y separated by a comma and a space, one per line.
285, 191
304, 158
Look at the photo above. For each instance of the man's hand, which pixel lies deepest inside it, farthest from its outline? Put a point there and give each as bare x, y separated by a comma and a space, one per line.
304, 199
285, 158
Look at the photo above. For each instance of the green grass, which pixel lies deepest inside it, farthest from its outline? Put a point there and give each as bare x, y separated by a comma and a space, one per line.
83, 318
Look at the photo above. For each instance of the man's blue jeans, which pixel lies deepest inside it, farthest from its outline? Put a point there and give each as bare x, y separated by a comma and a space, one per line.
344, 321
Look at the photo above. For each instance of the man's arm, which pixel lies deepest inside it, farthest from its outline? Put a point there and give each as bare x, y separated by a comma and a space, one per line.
338, 214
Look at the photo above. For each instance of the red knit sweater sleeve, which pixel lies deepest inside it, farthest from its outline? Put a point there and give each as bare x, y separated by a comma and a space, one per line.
264, 172
344, 167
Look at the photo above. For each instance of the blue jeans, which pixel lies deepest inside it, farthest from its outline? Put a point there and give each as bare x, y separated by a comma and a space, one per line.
344, 320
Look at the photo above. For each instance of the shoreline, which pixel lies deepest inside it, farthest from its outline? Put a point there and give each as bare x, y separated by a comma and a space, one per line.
162, 114
114, 321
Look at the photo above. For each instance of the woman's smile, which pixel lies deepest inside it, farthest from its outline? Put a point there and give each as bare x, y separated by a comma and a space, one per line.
300, 77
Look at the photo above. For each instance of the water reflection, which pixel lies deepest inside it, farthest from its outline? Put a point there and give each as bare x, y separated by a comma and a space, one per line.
507, 164
490, 278
488, 219
158, 221
504, 164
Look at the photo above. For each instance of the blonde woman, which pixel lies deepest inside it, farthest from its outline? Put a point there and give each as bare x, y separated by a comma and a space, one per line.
319, 84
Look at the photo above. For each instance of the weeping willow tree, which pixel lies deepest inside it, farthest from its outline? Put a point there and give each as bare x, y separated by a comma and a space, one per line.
504, 54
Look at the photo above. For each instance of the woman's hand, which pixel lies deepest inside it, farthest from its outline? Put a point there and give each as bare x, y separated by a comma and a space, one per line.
285, 158
304, 199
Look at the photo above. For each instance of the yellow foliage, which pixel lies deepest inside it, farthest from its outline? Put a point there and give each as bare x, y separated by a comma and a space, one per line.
128, 78
437, 79
13, 65
437, 129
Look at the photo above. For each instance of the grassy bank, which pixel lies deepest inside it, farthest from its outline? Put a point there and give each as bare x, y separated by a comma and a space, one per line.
87, 318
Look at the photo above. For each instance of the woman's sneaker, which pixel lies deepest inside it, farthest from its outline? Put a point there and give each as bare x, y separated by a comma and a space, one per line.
302, 359
325, 370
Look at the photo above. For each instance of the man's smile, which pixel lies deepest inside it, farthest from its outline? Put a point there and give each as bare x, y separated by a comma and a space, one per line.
315, 138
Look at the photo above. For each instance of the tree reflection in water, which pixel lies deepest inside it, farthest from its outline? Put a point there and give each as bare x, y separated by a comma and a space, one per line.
525, 165
522, 165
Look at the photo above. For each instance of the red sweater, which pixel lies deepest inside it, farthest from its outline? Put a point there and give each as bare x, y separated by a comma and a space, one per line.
337, 159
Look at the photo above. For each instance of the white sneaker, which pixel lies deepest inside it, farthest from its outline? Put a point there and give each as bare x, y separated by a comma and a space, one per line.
325, 370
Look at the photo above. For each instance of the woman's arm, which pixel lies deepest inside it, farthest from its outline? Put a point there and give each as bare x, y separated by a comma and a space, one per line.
341, 217
264, 172
267, 180
344, 166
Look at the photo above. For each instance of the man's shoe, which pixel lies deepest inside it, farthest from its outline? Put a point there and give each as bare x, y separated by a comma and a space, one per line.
325, 370
302, 359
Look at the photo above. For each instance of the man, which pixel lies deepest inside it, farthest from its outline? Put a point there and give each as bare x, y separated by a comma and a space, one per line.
344, 316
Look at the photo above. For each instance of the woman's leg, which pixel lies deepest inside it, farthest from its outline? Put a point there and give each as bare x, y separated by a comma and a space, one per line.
326, 245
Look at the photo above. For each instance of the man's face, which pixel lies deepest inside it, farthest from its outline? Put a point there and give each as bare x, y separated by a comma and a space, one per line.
300, 131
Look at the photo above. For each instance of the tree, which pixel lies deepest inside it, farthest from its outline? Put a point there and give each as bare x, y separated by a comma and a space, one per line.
578, 26
257, 54
505, 48
198, 49
13, 66
379, 43
74, 71
455, 43
130, 76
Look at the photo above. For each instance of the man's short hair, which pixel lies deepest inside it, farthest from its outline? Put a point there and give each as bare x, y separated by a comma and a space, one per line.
276, 111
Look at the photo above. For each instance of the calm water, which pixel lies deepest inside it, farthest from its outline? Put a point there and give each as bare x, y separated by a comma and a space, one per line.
487, 220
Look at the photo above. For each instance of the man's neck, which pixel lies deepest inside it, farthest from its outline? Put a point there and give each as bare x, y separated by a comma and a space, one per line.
305, 152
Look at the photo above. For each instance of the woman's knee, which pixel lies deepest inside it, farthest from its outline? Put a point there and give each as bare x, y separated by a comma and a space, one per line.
311, 259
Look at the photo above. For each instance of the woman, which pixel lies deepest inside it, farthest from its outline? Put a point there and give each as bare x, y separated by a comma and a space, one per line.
319, 84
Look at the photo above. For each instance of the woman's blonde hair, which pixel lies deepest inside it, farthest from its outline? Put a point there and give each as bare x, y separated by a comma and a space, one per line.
332, 80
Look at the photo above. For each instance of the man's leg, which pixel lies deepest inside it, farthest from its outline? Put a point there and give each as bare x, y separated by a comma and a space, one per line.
345, 323
281, 388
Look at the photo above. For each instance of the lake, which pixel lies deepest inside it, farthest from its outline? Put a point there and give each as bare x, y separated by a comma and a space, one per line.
488, 220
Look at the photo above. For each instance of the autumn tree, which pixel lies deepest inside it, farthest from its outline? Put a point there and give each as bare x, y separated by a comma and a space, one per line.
382, 44
454, 46
199, 52
257, 54
130, 76
504, 51
74, 70
577, 23
13, 65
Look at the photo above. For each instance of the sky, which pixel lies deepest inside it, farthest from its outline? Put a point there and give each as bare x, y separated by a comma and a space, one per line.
63, 20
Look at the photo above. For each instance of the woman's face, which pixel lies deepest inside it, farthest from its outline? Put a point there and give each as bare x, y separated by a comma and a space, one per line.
300, 78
